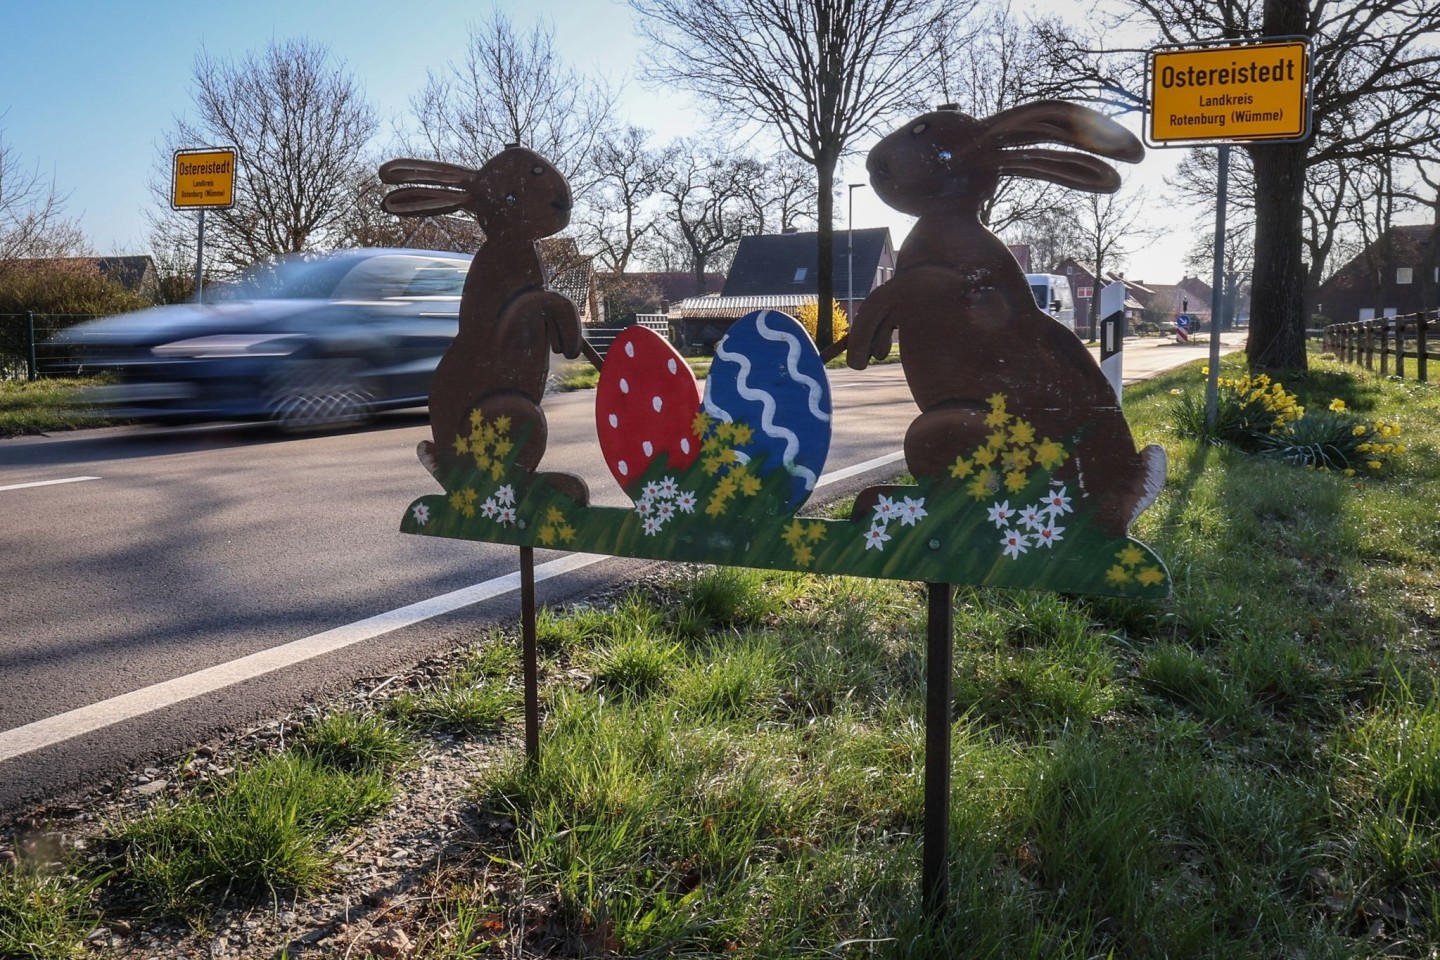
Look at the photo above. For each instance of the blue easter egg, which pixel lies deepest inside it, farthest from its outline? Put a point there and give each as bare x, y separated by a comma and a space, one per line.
768, 375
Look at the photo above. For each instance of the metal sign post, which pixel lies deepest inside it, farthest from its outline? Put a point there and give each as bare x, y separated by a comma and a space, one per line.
202, 179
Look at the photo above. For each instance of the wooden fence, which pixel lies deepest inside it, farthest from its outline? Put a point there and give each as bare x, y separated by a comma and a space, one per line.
1386, 340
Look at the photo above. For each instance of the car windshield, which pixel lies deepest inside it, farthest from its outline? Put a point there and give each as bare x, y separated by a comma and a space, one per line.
1039, 291
351, 278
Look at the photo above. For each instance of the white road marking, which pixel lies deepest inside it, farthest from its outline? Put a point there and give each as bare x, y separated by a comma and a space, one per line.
74, 723
45, 483
127, 706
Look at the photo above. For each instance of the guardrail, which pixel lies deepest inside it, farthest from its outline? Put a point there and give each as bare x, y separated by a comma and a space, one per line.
1375, 341
23, 350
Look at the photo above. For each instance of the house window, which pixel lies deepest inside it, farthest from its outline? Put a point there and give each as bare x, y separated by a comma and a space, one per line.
1084, 293
1367, 313
1069, 269
1405, 275
800, 274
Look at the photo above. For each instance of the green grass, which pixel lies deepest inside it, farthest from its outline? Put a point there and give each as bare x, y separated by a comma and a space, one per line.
44, 915
732, 762
43, 406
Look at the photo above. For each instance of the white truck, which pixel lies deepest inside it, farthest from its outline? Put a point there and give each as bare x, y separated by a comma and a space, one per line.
1052, 294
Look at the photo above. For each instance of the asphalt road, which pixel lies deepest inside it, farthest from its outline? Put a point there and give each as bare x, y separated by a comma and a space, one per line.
160, 585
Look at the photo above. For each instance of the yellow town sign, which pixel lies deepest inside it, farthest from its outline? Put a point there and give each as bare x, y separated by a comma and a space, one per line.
1237, 92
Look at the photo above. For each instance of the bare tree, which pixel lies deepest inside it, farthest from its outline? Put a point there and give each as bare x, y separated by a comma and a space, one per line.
1236, 270
1108, 226
619, 215
301, 126
709, 205
514, 88
1364, 54
32, 213
786, 195
367, 225
1052, 234
820, 73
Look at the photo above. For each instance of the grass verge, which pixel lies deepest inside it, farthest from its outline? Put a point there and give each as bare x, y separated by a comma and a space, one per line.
732, 762
43, 406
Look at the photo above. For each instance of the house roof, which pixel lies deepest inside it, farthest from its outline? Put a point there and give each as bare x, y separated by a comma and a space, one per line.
787, 263
723, 307
569, 273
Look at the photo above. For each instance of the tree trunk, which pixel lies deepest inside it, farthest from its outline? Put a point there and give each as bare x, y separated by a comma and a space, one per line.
825, 275
1277, 298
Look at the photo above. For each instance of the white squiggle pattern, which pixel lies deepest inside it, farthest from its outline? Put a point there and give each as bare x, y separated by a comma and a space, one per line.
792, 367
767, 415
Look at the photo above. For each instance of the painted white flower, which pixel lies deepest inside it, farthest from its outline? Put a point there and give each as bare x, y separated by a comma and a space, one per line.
490, 508
506, 516
685, 501
644, 506
422, 513
1033, 518
1057, 503
887, 509
652, 526
1000, 513
912, 511
652, 490
664, 510
1015, 543
876, 537
669, 488
505, 495
1047, 535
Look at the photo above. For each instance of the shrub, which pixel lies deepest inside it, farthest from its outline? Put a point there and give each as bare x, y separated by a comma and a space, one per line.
809, 316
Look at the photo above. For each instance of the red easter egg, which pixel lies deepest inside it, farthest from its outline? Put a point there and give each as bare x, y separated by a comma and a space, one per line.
645, 406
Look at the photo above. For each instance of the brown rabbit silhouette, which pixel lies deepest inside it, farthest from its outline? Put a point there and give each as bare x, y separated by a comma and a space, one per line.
509, 323
969, 325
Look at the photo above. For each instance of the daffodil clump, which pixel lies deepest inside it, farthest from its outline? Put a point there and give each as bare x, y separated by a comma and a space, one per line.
1257, 414
1009, 455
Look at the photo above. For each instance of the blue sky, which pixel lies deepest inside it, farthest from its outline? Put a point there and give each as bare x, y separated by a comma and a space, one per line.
88, 88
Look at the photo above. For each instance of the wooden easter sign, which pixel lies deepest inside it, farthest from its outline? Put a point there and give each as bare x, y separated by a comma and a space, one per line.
1026, 471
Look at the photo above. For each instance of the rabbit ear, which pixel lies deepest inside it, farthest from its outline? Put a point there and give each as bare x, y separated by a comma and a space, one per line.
1056, 121
1077, 170
424, 201
425, 171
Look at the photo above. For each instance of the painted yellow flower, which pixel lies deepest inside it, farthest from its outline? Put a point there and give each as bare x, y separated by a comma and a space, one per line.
996, 401
1022, 433
701, 424
715, 507
983, 485
726, 431
803, 556
1337, 405
816, 533
749, 484
462, 446
503, 448
728, 456
482, 460
547, 535
996, 439
1118, 576
710, 465
476, 418
996, 418
1015, 481
1150, 576
794, 534
742, 434
961, 469
725, 489
1016, 459
502, 426
985, 456
1130, 556
567, 533
1050, 454
555, 515
497, 470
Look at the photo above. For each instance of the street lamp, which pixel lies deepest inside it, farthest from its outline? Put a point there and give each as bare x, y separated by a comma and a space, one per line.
850, 252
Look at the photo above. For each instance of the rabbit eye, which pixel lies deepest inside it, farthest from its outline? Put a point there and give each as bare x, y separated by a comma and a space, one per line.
510, 199
919, 128
945, 155
537, 170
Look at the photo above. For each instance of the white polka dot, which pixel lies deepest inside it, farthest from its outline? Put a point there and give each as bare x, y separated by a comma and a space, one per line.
671, 365
657, 403
624, 468
630, 349
614, 421
684, 444
624, 385
649, 448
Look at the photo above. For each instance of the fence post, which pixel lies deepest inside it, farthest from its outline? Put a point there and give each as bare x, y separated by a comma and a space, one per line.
1421, 347
1399, 349
1384, 348
32, 369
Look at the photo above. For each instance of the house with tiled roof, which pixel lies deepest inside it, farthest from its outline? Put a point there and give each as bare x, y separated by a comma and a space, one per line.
1396, 275
780, 271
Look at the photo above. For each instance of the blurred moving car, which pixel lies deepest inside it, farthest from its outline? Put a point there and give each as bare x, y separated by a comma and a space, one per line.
308, 341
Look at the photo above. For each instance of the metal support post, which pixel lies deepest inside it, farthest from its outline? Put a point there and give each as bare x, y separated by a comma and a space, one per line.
530, 654
939, 656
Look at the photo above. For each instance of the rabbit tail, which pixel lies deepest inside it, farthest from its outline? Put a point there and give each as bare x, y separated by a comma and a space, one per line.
1153, 458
